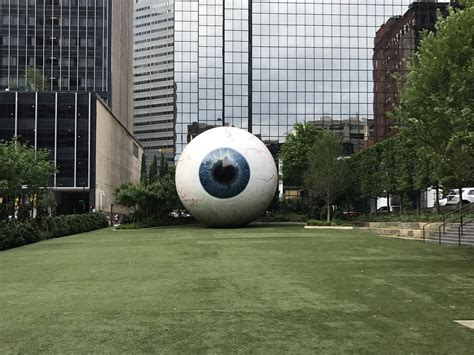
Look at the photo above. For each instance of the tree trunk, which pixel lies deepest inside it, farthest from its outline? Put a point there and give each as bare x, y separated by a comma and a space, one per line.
329, 213
438, 209
418, 201
388, 202
401, 203
460, 199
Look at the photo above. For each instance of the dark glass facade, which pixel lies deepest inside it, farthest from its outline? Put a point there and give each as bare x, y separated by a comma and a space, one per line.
66, 41
63, 123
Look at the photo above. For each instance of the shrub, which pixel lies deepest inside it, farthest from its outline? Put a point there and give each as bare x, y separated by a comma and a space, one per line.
15, 234
334, 222
61, 226
397, 217
284, 217
154, 222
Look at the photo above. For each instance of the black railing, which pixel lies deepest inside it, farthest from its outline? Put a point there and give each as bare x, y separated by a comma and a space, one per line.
463, 212
441, 218
465, 219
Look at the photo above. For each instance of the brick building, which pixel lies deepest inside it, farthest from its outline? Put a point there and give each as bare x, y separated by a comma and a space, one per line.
394, 42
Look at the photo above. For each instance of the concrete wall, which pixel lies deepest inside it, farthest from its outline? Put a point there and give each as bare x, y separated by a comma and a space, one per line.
115, 160
122, 61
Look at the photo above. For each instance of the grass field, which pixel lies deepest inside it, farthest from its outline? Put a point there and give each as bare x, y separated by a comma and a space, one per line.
253, 290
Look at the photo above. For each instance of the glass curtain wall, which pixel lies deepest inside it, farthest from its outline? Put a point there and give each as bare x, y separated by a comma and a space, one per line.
66, 41
186, 68
312, 61
58, 122
309, 60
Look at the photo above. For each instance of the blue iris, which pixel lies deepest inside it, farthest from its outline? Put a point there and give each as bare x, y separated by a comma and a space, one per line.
224, 173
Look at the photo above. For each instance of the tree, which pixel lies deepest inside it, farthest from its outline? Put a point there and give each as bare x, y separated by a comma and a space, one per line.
328, 169
24, 172
131, 194
143, 171
154, 200
163, 165
367, 177
46, 204
437, 101
36, 80
466, 3
294, 153
388, 167
153, 174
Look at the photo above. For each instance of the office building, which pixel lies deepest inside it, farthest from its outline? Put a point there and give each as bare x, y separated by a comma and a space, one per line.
153, 72
258, 65
66, 86
355, 132
93, 151
76, 45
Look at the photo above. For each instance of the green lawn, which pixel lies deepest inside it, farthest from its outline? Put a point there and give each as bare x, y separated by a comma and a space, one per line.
253, 290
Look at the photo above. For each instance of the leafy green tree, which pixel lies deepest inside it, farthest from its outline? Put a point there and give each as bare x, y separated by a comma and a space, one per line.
46, 204
367, 177
154, 200
163, 165
153, 174
24, 172
388, 168
143, 171
162, 197
437, 101
328, 170
294, 153
36, 81
466, 3
131, 195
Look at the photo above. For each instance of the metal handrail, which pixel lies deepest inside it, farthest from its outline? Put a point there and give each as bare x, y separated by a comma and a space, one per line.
451, 219
442, 217
447, 220
461, 227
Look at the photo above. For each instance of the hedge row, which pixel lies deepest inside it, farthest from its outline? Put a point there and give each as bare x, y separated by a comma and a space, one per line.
14, 233
61, 226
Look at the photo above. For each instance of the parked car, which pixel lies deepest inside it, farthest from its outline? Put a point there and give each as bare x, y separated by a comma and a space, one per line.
351, 213
443, 201
467, 196
383, 209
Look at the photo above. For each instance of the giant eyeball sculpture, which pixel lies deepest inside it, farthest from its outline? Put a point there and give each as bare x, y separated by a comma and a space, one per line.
226, 177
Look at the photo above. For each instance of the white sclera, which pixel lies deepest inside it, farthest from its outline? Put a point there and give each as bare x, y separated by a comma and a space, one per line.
239, 210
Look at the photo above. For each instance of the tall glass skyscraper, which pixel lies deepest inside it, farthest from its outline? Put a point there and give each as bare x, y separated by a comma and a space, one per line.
81, 51
264, 65
78, 45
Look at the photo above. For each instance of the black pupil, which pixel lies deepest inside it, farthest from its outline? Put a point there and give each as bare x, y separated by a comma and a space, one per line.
224, 172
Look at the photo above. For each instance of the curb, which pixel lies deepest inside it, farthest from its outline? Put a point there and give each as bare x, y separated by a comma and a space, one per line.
329, 227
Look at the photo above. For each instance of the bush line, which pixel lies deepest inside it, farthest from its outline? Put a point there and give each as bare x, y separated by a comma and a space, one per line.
14, 233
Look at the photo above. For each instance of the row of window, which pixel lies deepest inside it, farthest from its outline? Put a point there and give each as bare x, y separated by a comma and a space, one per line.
149, 123
48, 3
153, 89
152, 81
74, 20
159, 130
156, 55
